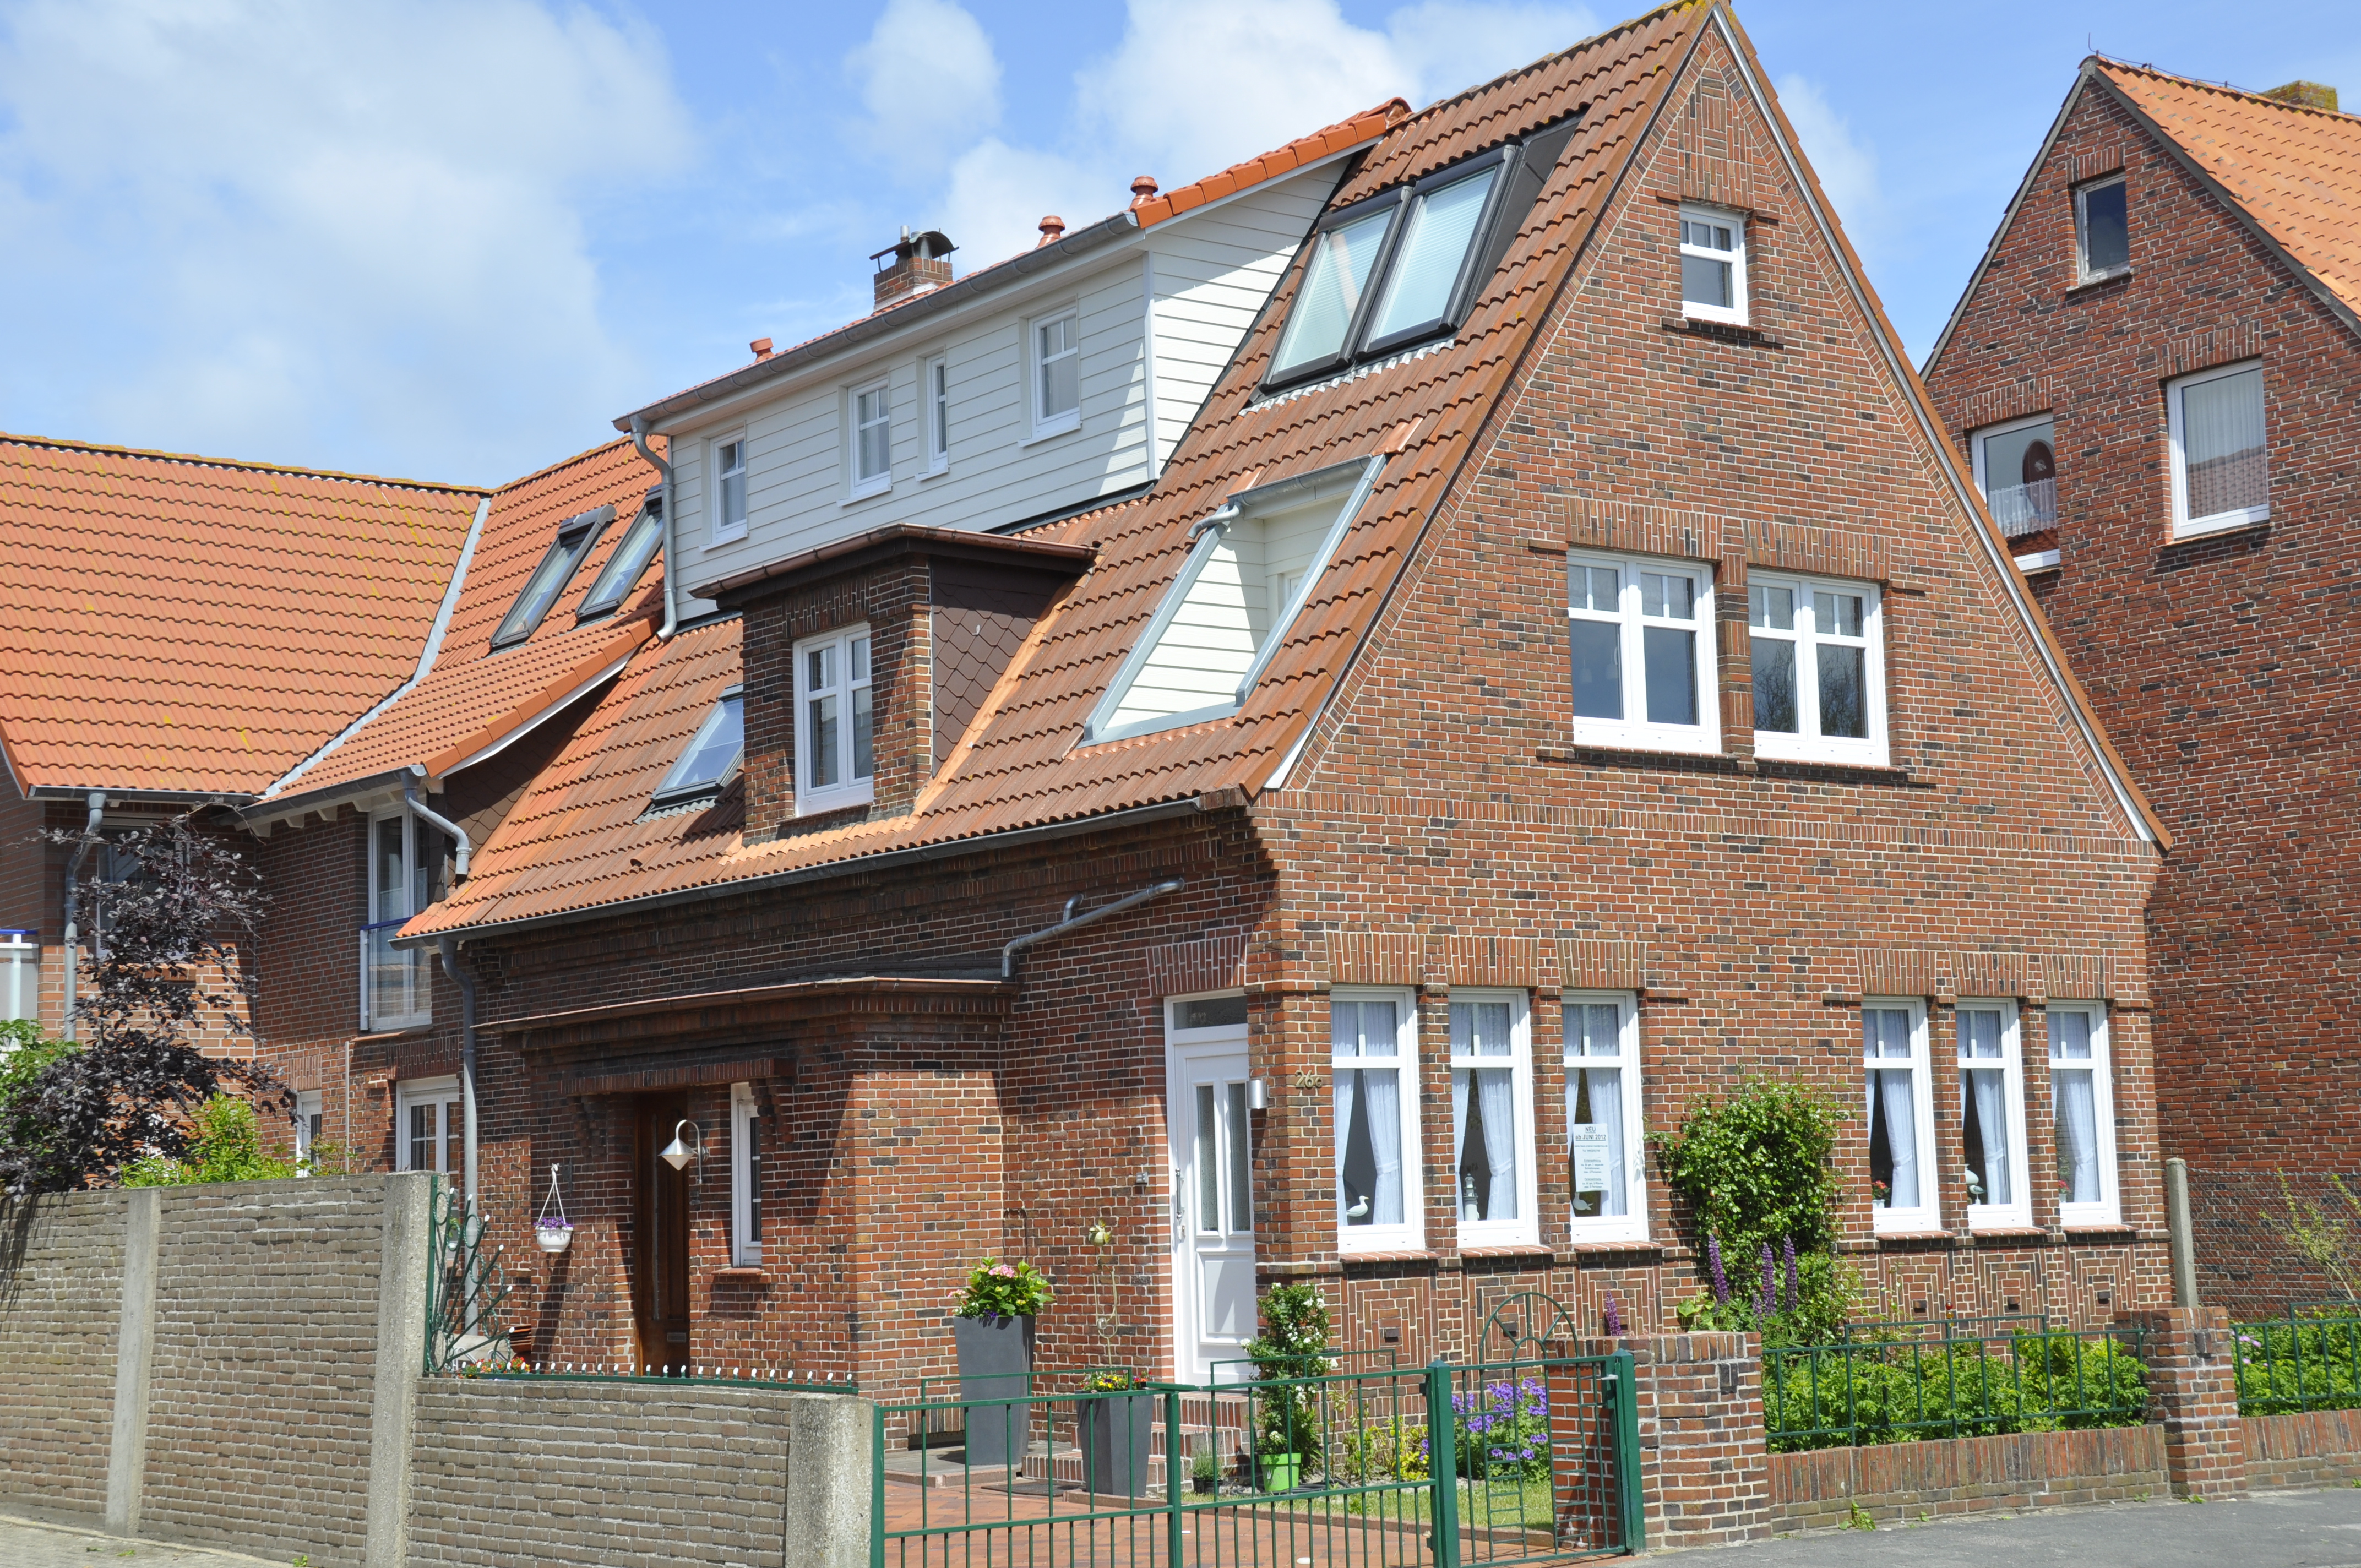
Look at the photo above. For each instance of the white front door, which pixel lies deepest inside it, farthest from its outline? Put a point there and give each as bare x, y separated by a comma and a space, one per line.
1212, 1188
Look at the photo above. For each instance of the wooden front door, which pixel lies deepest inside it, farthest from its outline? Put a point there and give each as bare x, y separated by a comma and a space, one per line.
659, 1266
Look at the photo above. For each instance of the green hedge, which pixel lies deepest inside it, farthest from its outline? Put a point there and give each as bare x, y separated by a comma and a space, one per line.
1839, 1396
2299, 1365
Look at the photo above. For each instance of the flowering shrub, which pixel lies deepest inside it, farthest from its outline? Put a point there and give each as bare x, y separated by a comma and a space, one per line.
1112, 1380
998, 1290
1504, 1430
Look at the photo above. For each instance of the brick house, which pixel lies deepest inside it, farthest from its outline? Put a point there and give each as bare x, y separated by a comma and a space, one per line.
2154, 372
1561, 668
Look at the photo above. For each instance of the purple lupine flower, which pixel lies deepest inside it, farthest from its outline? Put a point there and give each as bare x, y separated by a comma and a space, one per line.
1794, 1275
1614, 1319
1713, 1267
1767, 1297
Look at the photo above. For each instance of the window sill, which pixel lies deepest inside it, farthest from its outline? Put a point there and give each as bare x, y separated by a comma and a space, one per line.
1723, 332
1639, 1249
2098, 1230
1505, 1250
1384, 1255
942, 473
2007, 1235
1839, 773
2184, 533
1039, 436
2039, 561
741, 1274
392, 1031
858, 497
1914, 1238
717, 540
2090, 285
1591, 753
823, 805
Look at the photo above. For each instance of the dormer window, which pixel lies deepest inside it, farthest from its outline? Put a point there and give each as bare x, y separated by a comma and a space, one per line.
1253, 565
836, 742
710, 756
575, 537
623, 567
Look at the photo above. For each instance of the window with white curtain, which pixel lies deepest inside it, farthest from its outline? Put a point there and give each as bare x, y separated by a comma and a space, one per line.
1641, 634
2083, 1109
1901, 1115
1606, 1155
1492, 1119
1992, 1116
20, 974
2221, 465
745, 1177
1373, 1067
1820, 669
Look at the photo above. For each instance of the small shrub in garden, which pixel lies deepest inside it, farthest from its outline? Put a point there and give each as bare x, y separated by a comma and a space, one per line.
998, 1290
1504, 1430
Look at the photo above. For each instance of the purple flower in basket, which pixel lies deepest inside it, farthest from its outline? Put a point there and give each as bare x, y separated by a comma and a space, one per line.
1614, 1319
1713, 1270
1794, 1275
552, 1224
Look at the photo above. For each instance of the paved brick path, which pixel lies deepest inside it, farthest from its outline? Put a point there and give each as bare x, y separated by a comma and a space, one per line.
25, 1544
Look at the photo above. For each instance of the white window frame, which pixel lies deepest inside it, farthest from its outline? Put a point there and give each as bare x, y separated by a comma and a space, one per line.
309, 1103
21, 991
1735, 313
848, 791
858, 485
2083, 273
421, 983
1632, 1226
2108, 1210
2016, 1214
745, 1177
442, 1093
1044, 423
720, 527
1929, 1215
1628, 733
2183, 525
1525, 1229
935, 401
1805, 743
1410, 1234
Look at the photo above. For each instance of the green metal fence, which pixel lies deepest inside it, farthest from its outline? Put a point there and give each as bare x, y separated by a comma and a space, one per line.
1511, 1463
2311, 1363
1839, 1396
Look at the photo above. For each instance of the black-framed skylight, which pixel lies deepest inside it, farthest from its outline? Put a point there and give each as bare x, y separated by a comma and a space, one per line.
711, 755
575, 537
1406, 264
632, 552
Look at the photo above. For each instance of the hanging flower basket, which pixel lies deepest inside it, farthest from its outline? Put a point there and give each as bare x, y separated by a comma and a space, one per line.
554, 1232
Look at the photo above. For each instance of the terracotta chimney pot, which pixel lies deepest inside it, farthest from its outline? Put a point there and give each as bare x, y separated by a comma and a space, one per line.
1053, 227
1142, 189
761, 348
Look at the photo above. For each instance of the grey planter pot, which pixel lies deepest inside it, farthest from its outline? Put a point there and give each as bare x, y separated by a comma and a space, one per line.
1114, 1432
995, 1361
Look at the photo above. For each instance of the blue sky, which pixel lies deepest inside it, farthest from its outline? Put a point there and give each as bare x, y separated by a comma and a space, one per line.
453, 238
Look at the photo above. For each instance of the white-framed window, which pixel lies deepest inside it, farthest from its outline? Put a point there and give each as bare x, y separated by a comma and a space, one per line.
729, 463
1713, 265
2103, 241
835, 761
1056, 355
428, 1127
1492, 1118
1606, 1151
1820, 669
745, 1177
309, 1115
2017, 469
1900, 1099
869, 411
2082, 1111
20, 974
2220, 466
406, 873
935, 391
1991, 1114
1373, 1068
1641, 633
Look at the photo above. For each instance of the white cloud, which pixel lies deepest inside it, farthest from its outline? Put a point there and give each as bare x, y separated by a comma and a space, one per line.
1195, 85
351, 235
931, 83
1846, 167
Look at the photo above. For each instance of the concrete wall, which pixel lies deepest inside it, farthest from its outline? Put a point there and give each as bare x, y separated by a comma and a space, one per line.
60, 1282
1895, 1482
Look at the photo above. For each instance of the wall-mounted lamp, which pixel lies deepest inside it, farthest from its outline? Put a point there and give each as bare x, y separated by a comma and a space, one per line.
678, 1153
1258, 1094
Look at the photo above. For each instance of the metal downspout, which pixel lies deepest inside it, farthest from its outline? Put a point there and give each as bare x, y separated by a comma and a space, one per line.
1072, 921
459, 977
663, 469
74, 905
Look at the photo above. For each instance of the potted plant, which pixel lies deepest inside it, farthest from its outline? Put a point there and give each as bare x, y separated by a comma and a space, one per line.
552, 1232
1115, 1417
1205, 1471
992, 1324
1293, 1346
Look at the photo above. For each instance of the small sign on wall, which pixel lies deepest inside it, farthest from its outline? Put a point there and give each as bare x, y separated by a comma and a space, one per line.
1588, 1150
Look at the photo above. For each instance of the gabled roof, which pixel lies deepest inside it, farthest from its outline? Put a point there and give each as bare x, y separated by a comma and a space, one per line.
2291, 173
473, 698
1303, 153
185, 625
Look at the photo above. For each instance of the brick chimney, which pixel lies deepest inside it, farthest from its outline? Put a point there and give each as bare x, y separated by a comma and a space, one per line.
2305, 95
919, 262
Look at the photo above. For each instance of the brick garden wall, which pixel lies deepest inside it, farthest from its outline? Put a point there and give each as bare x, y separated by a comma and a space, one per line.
2311, 1448
1895, 1481
60, 1283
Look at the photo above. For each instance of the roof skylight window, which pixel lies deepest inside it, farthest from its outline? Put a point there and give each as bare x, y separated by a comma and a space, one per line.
575, 537
631, 558
1253, 565
711, 755
1407, 264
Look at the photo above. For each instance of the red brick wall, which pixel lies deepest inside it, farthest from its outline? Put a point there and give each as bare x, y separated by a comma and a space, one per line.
2219, 664
1898, 1483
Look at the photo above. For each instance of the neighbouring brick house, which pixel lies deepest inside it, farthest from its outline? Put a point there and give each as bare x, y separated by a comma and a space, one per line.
1559, 669
2154, 372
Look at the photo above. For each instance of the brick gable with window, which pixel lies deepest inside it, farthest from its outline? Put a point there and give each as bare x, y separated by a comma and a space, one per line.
2193, 389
